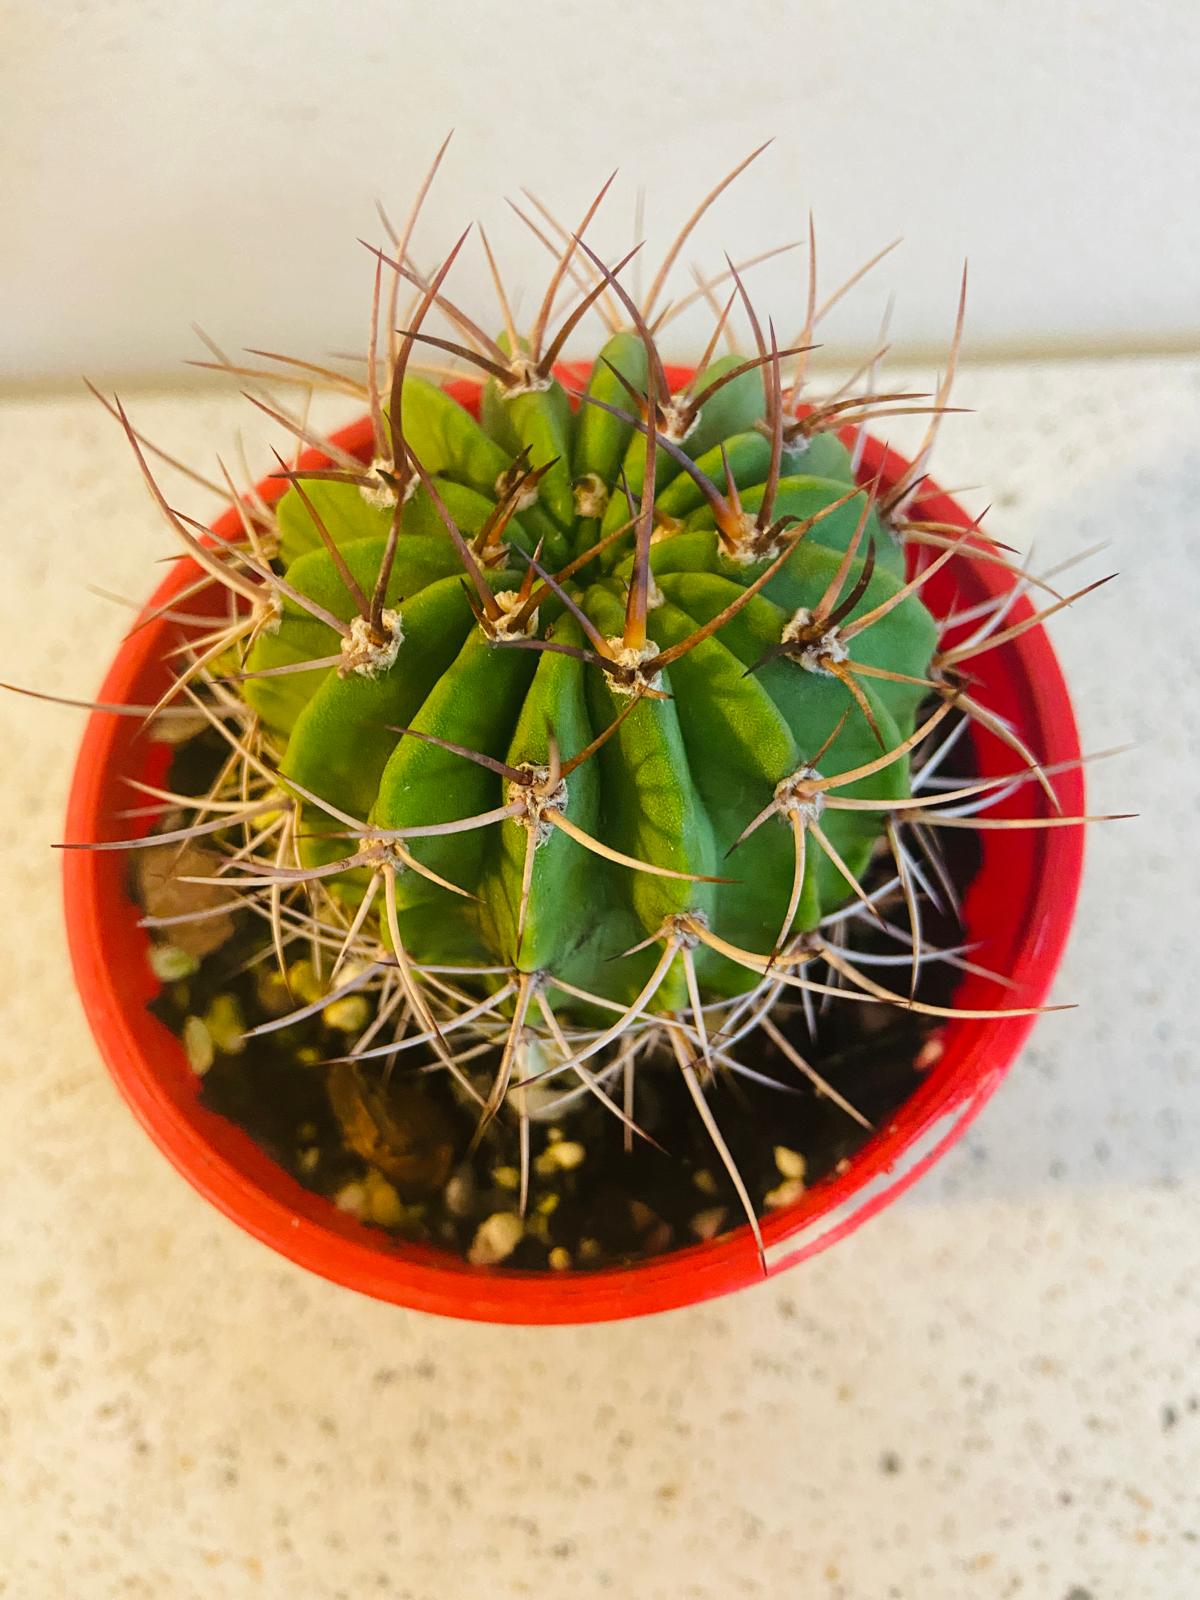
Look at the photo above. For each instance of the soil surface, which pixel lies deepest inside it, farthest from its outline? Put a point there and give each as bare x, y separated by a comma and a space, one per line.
397, 1152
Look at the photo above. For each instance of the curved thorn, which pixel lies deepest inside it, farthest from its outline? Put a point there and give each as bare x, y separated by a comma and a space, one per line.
689, 226
558, 820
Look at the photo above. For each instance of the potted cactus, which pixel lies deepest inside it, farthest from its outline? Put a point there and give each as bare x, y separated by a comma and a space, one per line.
561, 789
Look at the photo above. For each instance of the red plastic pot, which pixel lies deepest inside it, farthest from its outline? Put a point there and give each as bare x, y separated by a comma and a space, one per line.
1019, 909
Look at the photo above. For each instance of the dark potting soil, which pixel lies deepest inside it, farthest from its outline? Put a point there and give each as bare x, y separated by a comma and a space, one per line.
398, 1153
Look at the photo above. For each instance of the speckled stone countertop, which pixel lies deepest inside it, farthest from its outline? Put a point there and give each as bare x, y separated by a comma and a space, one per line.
992, 1390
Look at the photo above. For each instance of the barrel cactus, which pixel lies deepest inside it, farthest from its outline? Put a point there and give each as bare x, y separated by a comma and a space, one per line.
569, 717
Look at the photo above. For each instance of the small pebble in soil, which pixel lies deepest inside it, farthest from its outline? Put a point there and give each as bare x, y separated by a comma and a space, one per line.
380, 1204
459, 1193
226, 1026
791, 1163
198, 1045
351, 1198
930, 1053
561, 1155
707, 1224
350, 1014
496, 1238
303, 984
169, 963
783, 1194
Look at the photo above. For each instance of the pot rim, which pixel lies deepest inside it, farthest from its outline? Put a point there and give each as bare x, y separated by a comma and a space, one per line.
108, 953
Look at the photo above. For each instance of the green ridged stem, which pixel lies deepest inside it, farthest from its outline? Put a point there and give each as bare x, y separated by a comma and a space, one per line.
681, 777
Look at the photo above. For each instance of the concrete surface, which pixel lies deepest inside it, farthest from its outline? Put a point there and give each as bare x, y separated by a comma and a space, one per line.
993, 1390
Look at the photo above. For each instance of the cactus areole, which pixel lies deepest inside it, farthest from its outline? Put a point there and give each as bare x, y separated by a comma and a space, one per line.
566, 719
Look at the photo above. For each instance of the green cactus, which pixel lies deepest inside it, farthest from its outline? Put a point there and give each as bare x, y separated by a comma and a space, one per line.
574, 719
705, 642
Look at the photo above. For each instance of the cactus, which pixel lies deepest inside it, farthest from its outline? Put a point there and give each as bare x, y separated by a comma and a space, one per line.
590, 692
574, 723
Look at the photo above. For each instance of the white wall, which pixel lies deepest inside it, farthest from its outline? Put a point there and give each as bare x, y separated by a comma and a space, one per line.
161, 162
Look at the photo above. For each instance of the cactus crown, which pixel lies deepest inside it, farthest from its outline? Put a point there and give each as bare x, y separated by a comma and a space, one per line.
564, 729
